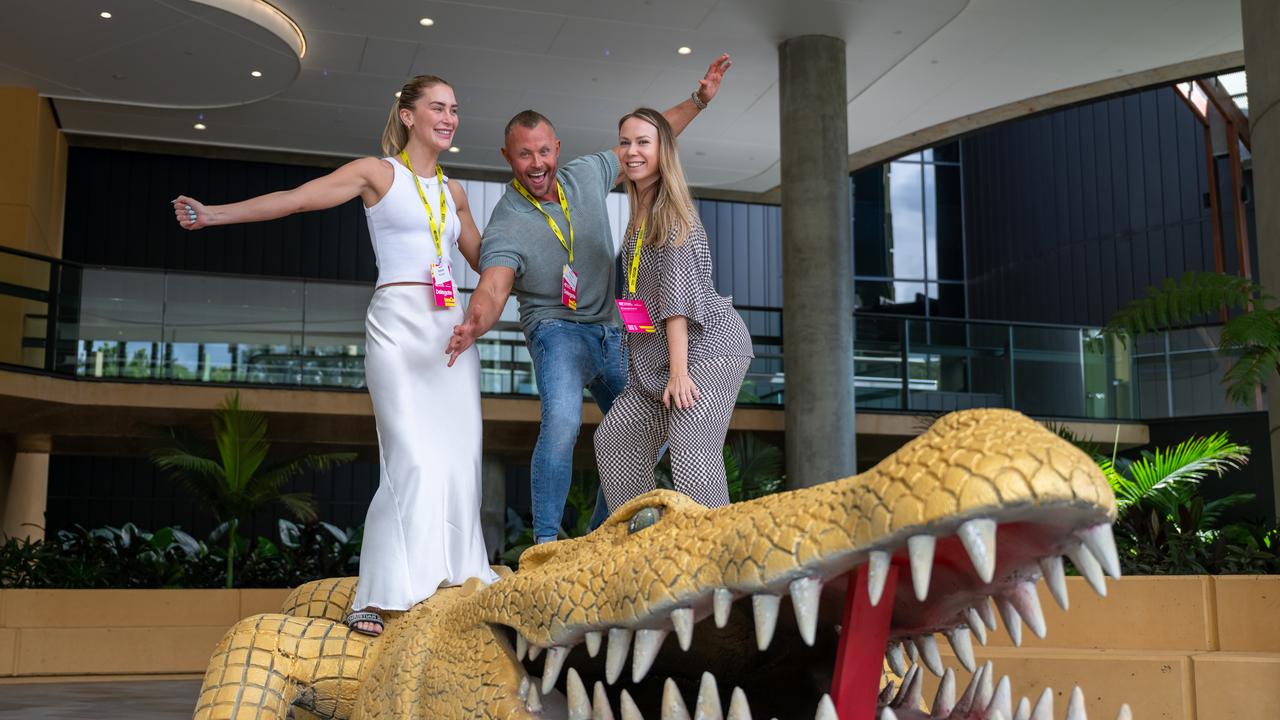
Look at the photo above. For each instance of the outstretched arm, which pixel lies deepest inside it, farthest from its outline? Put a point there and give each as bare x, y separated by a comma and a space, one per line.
356, 178
483, 311
685, 111
469, 238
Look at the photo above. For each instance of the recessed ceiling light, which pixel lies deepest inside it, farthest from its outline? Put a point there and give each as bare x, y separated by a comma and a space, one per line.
256, 73
684, 50
455, 148
426, 22
104, 15
199, 126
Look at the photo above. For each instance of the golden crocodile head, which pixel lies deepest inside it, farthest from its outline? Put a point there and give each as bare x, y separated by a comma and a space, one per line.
792, 602
669, 598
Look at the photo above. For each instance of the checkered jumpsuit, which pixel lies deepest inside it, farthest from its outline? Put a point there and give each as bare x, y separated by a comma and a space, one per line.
675, 281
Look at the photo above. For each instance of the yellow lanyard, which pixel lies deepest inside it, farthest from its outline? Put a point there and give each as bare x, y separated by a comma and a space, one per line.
564, 205
436, 231
634, 270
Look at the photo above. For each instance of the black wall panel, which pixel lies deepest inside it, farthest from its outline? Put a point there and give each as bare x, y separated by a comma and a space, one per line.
1070, 214
118, 213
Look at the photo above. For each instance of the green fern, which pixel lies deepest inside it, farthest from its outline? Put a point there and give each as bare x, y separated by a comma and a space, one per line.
1167, 478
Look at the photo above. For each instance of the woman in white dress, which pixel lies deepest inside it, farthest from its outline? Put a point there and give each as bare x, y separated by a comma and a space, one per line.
423, 526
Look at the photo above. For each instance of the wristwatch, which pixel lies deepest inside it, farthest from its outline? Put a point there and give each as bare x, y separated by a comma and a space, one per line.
697, 101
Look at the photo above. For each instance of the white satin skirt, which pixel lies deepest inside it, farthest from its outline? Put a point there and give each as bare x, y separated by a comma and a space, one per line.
423, 527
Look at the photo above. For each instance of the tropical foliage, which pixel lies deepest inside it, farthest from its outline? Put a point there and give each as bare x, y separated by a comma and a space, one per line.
1251, 336
236, 481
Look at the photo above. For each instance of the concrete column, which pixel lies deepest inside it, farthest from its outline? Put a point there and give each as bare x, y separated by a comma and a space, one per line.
493, 503
24, 480
817, 260
1260, 20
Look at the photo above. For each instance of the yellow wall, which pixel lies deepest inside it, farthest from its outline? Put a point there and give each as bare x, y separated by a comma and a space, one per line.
33, 179
33, 176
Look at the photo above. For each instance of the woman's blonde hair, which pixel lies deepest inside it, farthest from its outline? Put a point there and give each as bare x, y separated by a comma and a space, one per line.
671, 214
396, 135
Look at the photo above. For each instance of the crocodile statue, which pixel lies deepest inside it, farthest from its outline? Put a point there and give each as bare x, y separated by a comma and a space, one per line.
973, 513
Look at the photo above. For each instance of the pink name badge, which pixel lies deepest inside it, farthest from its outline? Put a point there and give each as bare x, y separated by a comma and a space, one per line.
635, 316
442, 285
569, 288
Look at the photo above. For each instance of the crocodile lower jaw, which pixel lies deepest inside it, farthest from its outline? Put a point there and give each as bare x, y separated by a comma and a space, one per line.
737, 665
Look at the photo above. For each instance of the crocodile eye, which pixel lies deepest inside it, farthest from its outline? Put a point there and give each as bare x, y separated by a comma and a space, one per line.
643, 519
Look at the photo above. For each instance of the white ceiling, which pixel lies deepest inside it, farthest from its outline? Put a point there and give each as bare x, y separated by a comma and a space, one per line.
911, 64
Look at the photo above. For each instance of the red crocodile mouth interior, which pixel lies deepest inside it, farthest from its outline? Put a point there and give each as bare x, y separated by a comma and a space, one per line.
904, 592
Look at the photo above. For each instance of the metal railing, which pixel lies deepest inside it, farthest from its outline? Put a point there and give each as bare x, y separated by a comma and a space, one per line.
91, 322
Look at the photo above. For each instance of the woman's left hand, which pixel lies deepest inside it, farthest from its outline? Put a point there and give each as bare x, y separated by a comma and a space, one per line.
709, 85
680, 392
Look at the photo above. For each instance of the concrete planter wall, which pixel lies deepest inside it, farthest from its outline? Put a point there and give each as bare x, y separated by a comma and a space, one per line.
1181, 648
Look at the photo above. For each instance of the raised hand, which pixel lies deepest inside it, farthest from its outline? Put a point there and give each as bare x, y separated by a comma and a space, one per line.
190, 214
709, 85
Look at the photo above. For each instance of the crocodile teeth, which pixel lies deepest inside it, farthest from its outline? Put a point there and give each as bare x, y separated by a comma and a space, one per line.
579, 703
738, 707
593, 642
979, 539
648, 642
1002, 701
616, 654
877, 573
970, 691
1056, 578
551, 668
920, 550
805, 596
600, 709
911, 694
897, 659
1027, 602
629, 709
673, 707
997, 715
1012, 621
1102, 543
901, 696
1044, 706
827, 709
1088, 566
988, 614
765, 609
708, 707
1124, 714
986, 688
887, 714
534, 651
912, 651
1024, 710
534, 703
523, 692
976, 625
682, 620
886, 692
1075, 706
929, 654
945, 701
522, 647
963, 647
722, 599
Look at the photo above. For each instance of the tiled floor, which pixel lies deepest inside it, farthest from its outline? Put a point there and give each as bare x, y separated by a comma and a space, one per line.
134, 700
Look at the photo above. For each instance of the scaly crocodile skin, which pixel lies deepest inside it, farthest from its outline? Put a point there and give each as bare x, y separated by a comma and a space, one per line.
451, 656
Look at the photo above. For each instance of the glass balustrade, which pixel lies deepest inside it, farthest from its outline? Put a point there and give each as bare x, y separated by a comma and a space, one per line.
147, 325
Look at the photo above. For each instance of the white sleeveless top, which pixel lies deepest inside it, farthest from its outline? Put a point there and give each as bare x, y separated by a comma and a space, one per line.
401, 233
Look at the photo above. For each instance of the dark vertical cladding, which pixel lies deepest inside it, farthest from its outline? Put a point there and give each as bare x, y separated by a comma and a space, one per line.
118, 214
1071, 214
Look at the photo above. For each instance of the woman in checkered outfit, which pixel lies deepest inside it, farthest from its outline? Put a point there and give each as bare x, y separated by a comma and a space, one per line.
687, 364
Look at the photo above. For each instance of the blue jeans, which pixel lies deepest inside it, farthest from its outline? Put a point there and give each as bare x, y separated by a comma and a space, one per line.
567, 357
